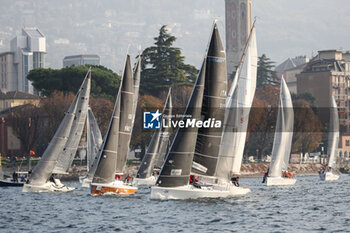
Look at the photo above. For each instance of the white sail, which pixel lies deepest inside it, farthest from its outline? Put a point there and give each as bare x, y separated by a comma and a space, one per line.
94, 142
282, 143
232, 144
333, 135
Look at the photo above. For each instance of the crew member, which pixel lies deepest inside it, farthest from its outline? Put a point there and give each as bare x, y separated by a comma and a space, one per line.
235, 180
265, 175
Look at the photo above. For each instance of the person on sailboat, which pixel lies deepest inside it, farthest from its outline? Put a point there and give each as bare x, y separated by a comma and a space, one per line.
265, 175
235, 180
287, 174
118, 177
194, 181
52, 179
128, 179
15, 176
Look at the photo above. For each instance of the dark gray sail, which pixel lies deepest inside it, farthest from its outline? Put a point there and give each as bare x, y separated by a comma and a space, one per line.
105, 171
158, 142
177, 166
43, 170
126, 116
94, 141
67, 155
208, 140
165, 134
137, 77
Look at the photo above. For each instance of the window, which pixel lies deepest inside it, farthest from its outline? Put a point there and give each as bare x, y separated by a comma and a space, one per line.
347, 142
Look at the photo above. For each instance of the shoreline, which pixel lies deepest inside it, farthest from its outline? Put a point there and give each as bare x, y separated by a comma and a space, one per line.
248, 170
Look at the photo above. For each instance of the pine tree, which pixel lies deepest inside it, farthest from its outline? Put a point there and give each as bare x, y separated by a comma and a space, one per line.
266, 74
163, 65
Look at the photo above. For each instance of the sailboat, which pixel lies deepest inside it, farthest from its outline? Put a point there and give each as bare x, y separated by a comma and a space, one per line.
137, 77
94, 142
238, 103
156, 150
113, 152
199, 148
67, 155
41, 179
282, 143
94, 137
333, 141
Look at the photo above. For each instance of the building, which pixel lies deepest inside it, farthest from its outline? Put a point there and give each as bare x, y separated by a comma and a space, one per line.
325, 75
8, 71
344, 147
238, 21
27, 52
13, 99
80, 60
289, 69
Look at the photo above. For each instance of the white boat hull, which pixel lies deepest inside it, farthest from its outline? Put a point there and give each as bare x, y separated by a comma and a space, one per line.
328, 176
280, 181
85, 182
191, 192
48, 187
150, 181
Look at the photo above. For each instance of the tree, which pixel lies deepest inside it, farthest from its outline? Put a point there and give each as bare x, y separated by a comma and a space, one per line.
102, 109
163, 66
307, 128
142, 137
104, 82
308, 97
266, 74
25, 122
262, 121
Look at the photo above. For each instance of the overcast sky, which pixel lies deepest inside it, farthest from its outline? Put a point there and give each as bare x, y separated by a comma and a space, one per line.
285, 28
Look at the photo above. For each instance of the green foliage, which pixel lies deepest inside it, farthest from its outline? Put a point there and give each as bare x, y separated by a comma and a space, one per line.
104, 82
307, 96
266, 74
163, 66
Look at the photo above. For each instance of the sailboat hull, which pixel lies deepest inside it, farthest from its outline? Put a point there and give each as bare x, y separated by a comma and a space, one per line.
85, 182
10, 183
114, 188
191, 192
328, 176
279, 181
48, 187
150, 181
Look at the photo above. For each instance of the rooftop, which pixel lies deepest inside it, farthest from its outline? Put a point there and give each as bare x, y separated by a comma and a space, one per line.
82, 56
17, 95
33, 32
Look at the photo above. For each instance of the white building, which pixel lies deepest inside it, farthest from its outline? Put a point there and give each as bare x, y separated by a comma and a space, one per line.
27, 52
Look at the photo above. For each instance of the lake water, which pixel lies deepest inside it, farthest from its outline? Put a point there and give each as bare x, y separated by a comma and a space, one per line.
309, 206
